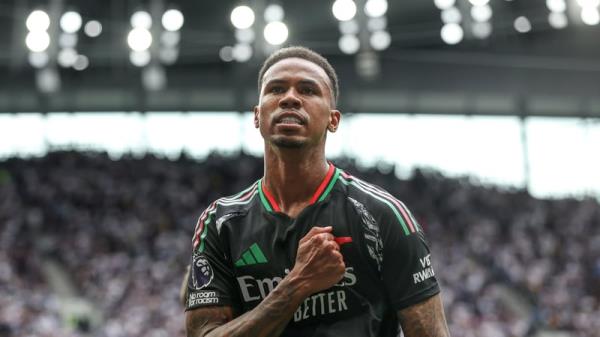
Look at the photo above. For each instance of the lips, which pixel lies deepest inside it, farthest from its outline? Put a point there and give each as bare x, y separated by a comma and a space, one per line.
290, 118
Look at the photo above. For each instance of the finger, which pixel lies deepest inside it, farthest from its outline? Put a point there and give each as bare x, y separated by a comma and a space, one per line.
315, 231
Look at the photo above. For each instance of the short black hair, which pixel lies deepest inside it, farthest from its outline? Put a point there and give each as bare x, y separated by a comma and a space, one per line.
306, 54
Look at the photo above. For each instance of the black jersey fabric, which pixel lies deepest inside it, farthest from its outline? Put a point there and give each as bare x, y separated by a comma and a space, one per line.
243, 246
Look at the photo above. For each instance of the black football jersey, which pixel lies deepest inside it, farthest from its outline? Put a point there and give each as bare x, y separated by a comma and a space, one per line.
244, 246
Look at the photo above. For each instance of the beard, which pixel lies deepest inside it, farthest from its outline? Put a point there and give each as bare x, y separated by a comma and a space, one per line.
288, 143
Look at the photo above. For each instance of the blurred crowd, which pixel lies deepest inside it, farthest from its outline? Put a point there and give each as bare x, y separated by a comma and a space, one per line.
509, 264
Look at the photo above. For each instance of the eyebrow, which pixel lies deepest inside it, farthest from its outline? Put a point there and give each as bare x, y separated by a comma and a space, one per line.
282, 81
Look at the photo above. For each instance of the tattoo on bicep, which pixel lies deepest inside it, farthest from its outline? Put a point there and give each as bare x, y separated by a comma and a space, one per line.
425, 319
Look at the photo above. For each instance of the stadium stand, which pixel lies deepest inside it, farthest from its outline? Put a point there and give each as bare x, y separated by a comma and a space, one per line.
119, 231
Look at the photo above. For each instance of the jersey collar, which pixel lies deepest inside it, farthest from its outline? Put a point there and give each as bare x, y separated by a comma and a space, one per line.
320, 194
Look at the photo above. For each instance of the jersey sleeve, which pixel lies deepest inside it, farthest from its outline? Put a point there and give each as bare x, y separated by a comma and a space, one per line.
211, 277
407, 271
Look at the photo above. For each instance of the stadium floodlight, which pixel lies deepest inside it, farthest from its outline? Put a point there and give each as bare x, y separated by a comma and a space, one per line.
451, 15
380, 40
47, 80
38, 60
70, 22
245, 35
276, 33
38, 21
376, 24
81, 63
556, 5
481, 30
588, 3
479, 2
376, 8
452, 33
168, 56
349, 44
344, 10
481, 13
67, 57
172, 20
274, 12
154, 78
67, 40
139, 58
93, 28
444, 4
170, 39
349, 27
242, 17
522, 24
37, 41
141, 19
139, 39
590, 16
226, 53
242, 52
558, 20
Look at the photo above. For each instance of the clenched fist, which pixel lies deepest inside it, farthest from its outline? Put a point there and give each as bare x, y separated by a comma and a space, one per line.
319, 263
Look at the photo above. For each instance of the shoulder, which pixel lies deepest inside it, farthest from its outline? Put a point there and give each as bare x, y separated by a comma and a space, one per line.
370, 199
224, 209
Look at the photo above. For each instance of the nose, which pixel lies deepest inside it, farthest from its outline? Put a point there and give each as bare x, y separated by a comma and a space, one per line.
290, 100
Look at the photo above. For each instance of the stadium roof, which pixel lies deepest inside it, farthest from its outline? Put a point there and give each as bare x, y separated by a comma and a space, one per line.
543, 72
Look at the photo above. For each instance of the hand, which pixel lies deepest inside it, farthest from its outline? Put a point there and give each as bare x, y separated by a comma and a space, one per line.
319, 263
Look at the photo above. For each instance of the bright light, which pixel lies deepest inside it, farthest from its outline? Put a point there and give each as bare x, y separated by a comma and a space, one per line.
47, 80
588, 3
444, 4
556, 5
558, 20
226, 54
481, 13
349, 44
242, 17
380, 40
276, 33
37, 41
452, 33
67, 57
170, 39
481, 30
172, 20
67, 40
81, 63
451, 15
376, 8
92, 28
349, 27
375, 24
154, 78
242, 52
245, 35
274, 12
139, 58
38, 21
479, 2
141, 19
38, 60
522, 24
70, 22
139, 39
344, 10
590, 16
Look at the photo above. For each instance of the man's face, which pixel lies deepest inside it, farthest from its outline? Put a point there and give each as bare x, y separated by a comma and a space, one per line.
295, 108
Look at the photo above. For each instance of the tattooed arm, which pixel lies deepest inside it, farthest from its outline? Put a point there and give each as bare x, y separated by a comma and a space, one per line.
319, 265
425, 319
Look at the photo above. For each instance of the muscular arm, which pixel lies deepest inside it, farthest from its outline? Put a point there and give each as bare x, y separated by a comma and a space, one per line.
269, 318
425, 319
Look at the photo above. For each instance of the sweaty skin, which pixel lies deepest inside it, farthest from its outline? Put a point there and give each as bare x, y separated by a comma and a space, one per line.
295, 111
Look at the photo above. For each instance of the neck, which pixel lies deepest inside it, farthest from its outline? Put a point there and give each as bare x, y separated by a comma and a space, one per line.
292, 176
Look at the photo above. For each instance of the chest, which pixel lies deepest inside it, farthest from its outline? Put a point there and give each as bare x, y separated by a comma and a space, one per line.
263, 249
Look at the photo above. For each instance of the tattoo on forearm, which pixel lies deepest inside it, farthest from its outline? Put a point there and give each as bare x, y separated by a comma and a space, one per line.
424, 319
